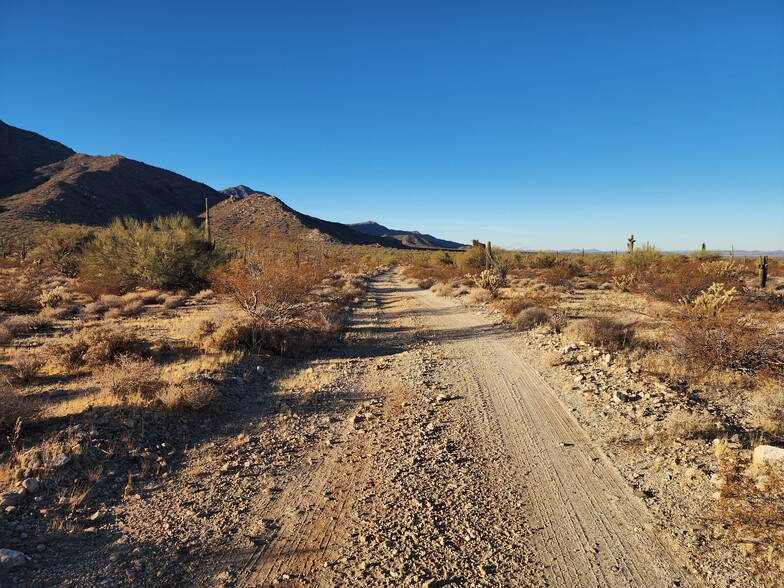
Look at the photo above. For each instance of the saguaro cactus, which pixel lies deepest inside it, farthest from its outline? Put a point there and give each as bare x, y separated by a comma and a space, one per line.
762, 266
630, 244
207, 220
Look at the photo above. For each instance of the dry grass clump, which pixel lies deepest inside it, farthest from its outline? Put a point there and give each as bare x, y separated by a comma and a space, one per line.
204, 296
174, 300
132, 308
606, 332
96, 347
129, 376
766, 409
13, 408
188, 394
683, 424
528, 318
25, 324
27, 365
480, 296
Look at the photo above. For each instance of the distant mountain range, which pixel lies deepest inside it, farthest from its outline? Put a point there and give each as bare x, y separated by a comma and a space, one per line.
408, 238
43, 182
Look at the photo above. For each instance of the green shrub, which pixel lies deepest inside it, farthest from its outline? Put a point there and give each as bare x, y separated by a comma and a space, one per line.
62, 246
167, 253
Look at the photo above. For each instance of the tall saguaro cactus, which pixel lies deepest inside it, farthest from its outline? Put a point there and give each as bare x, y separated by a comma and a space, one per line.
207, 230
630, 244
762, 266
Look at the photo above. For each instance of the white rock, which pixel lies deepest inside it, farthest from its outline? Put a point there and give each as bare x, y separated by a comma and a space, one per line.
768, 455
11, 559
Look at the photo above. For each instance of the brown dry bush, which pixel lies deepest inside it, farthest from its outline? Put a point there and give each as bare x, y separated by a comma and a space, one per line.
561, 274
766, 409
134, 308
531, 317
271, 288
682, 424
189, 394
728, 341
682, 281
97, 346
174, 301
607, 332
23, 325
129, 376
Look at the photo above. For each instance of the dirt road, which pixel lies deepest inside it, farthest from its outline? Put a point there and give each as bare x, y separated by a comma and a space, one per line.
423, 452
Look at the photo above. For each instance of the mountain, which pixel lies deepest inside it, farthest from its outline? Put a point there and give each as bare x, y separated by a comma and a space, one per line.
408, 238
251, 212
42, 181
240, 191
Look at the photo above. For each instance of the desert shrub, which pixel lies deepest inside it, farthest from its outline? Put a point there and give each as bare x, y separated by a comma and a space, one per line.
129, 376
766, 409
27, 366
6, 336
13, 408
133, 308
561, 273
151, 296
607, 332
681, 424
684, 281
531, 317
641, 259
188, 394
203, 296
727, 340
271, 288
25, 324
20, 290
543, 260
62, 246
169, 252
511, 307
480, 296
97, 346
230, 335
174, 301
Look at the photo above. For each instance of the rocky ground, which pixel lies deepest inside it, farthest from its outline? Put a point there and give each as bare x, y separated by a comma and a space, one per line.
388, 462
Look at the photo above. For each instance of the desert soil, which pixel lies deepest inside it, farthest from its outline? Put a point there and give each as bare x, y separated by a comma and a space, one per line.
427, 450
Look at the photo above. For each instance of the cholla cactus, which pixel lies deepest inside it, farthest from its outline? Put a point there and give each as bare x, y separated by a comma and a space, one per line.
51, 298
715, 299
490, 280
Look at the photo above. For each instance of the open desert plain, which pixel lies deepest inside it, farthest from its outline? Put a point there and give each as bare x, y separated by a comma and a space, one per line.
208, 386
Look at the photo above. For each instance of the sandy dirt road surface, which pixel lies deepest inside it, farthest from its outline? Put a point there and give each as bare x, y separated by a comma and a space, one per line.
423, 452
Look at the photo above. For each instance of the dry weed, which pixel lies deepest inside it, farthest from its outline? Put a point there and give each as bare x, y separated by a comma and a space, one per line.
129, 376
27, 365
529, 318
14, 409
97, 346
189, 394
174, 301
606, 332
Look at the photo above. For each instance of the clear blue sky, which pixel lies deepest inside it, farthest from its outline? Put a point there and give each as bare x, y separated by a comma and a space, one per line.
532, 124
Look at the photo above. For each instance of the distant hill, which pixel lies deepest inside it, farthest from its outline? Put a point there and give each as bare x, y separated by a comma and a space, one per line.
42, 181
252, 212
240, 191
408, 238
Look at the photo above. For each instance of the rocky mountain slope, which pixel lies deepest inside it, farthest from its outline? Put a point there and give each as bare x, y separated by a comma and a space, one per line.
42, 181
248, 212
408, 238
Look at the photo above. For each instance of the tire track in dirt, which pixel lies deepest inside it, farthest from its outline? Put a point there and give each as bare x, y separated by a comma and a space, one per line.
592, 530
